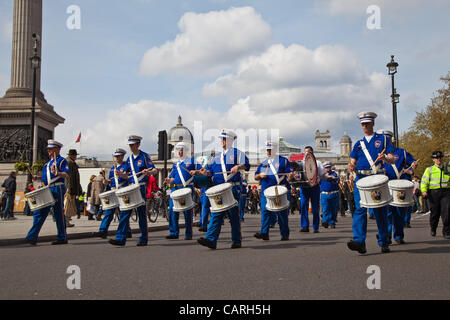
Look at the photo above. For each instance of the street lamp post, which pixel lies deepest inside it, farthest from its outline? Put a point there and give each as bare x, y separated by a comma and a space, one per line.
392, 70
35, 65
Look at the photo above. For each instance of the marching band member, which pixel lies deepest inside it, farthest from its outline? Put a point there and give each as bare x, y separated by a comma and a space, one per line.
243, 199
139, 165
230, 160
118, 178
204, 219
182, 176
365, 154
329, 198
53, 174
401, 169
268, 173
308, 193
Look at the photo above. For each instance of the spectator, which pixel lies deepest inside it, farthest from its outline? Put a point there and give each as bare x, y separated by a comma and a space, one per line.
29, 188
295, 201
151, 187
98, 186
73, 187
88, 197
10, 191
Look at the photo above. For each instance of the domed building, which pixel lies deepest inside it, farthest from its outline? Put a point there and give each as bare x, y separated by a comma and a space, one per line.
346, 145
178, 134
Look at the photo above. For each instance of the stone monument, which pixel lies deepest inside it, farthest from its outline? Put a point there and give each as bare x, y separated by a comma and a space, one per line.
15, 106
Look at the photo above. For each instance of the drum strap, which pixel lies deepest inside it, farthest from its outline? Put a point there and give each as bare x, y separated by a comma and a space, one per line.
368, 157
49, 177
132, 169
396, 170
274, 171
185, 183
226, 177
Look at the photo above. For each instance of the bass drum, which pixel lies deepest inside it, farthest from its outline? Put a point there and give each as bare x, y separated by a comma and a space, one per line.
299, 174
311, 170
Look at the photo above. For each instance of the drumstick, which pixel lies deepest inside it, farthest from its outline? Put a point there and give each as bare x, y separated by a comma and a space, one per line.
54, 163
379, 157
415, 162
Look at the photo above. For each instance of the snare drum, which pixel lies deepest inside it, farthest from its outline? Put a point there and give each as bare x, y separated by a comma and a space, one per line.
182, 200
374, 191
40, 198
276, 198
402, 193
221, 197
130, 197
109, 200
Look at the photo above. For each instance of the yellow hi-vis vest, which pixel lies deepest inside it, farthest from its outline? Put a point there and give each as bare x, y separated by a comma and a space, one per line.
435, 178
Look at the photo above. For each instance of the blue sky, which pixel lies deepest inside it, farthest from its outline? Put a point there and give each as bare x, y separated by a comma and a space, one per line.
96, 80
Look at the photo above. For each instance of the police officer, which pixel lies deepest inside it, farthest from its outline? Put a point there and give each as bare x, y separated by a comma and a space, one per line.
435, 187
140, 166
53, 174
118, 178
367, 158
401, 169
268, 173
181, 176
329, 198
229, 160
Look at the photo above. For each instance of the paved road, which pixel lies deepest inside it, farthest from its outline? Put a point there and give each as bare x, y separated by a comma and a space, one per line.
309, 266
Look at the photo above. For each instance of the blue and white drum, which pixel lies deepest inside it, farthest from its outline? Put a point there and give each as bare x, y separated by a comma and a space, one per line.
221, 197
182, 200
40, 198
374, 191
402, 193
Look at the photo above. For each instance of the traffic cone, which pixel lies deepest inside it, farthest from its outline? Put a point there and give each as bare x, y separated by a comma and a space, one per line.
310, 207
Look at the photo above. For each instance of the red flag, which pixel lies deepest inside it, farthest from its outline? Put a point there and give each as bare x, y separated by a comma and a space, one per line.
79, 138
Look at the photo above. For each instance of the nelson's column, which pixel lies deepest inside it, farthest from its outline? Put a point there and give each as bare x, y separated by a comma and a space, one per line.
15, 106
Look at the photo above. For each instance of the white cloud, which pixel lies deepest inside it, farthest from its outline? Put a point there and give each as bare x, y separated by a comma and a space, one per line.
358, 7
209, 43
290, 67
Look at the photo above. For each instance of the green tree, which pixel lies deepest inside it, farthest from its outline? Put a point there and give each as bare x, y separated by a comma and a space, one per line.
430, 129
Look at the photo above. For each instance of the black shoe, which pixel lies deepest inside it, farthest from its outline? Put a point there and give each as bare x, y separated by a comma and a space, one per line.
272, 226
284, 238
98, 218
385, 249
236, 245
129, 236
102, 235
305, 229
56, 242
400, 241
202, 229
141, 244
172, 237
356, 246
316, 231
116, 242
333, 226
325, 225
32, 242
196, 224
433, 233
371, 218
187, 238
207, 243
408, 226
262, 236
90, 218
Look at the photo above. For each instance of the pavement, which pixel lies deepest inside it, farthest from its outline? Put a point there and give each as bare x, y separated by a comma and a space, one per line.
315, 266
14, 231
